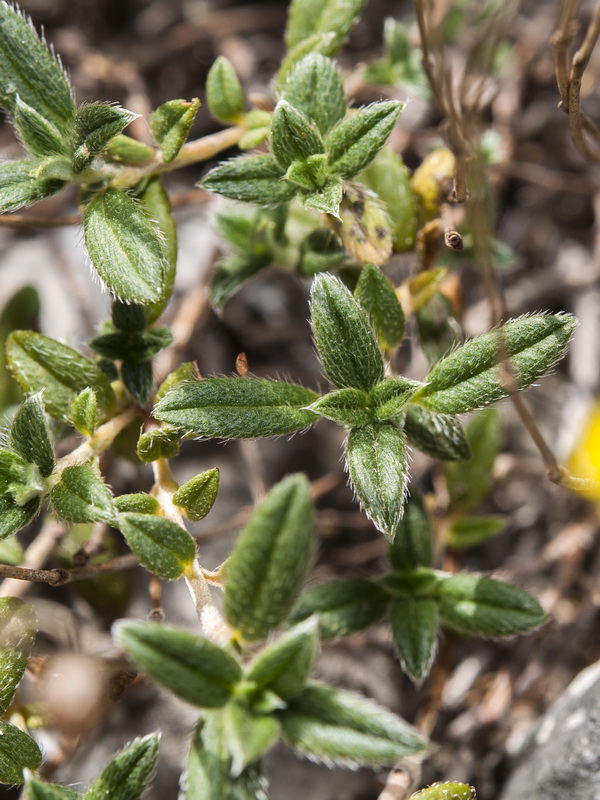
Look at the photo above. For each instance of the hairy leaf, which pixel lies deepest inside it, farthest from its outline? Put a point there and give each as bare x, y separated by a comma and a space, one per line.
37, 134
438, 435
93, 127
347, 406
414, 622
29, 435
249, 735
253, 179
17, 752
82, 496
309, 17
224, 93
315, 88
197, 496
376, 295
293, 136
390, 396
18, 627
161, 545
171, 123
20, 187
413, 544
126, 776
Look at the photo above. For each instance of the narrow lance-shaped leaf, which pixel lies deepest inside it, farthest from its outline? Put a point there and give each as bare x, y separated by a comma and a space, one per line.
18, 751
252, 179
38, 790
37, 134
346, 406
157, 208
161, 545
343, 607
224, 93
237, 408
30, 71
476, 605
125, 248
376, 295
94, 126
414, 622
471, 377
194, 669
82, 496
315, 88
438, 435
269, 562
17, 633
389, 398
29, 435
355, 141
171, 123
413, 544
84, 412
127, 775
38, 362
377, 462
293, 136
344, 337
20, 187
338, 727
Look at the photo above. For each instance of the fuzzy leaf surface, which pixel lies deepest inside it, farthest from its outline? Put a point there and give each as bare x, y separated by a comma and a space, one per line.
224, 93
269, 562
125, 248
20, 187
376, 295
390, 396
128, 773
170, 125
309, 17
355, 141
39, 362
82, 496
18, 627
193, 668
37, 134
29, 435
339, 727
471, 377
84, 412
414, 622
293, 136
378, 466
14, 517
30, 71
37, 790
93, 127
249, 735
438, 435
345, 340
237, 408
252, 179
413, 543
343, 607
476, 605
197, 496
346, 406
157, 207
161, 545
17, 752
314, 87
326, 199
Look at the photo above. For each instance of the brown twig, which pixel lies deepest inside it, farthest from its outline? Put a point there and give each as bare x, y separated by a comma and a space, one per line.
60, 576
35, 556
577, 120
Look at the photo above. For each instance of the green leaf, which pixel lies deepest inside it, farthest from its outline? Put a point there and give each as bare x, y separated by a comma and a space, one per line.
135, 346
197, 496
324, 43
125, 248
253, 179
344, 337
320, 252
192, 668
18, 627
84, 412
38, 362
249, 735
471, 377
377, 463
37, 790
36, 133
347, 406
389, 178
82, 496
414, 622
127, 775
475, 605
160, 443
343, 607
29, 435
237, 408
438, 435
376, 295
157, 207
355, 141
413, 543
471, 531
469, 482
309, 17
285, 665
187, 371
137, 377
125, 150
139, 503
339, 727
162, 546
21, 310
30, 71
93, 127
327, 200
208, 773
390, 396
293, 136
18, 749
20, 187
170, 125
11, 552
14, 517
224, 93
269, 562
315, 88
446, 791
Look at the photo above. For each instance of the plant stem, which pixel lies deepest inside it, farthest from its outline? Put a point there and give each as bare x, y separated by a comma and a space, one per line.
35, 556
99, 441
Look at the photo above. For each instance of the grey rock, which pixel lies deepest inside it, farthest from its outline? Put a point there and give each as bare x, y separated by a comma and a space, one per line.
564, 758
